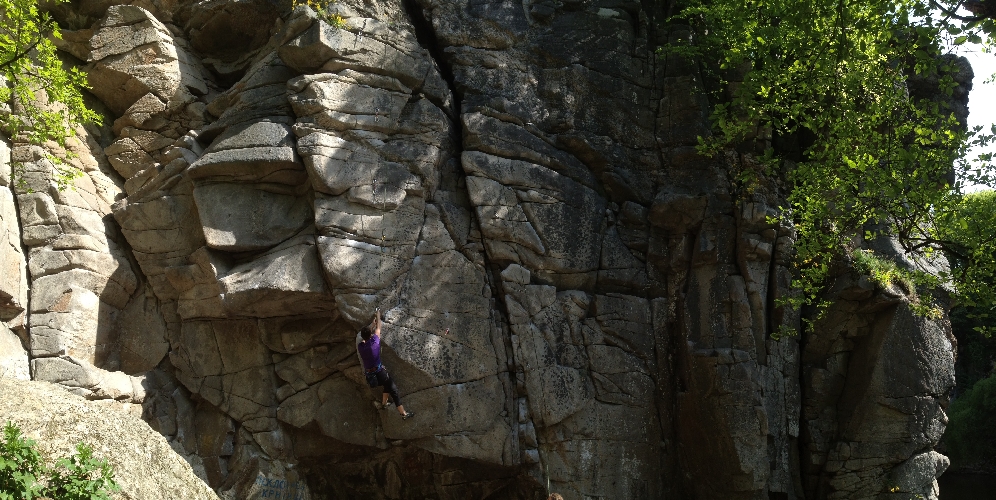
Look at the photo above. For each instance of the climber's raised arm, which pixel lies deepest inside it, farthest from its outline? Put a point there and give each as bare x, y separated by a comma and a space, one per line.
377, 323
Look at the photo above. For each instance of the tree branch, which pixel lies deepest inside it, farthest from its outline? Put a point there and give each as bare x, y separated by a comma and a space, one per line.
953, 15
21, 54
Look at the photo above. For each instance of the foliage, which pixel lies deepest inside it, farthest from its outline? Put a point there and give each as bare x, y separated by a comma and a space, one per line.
849, 104
887, 273
971, 233
23, 474
880, 270
976, 353
971, 432
81, 477
47, 99
21, 466
322, 8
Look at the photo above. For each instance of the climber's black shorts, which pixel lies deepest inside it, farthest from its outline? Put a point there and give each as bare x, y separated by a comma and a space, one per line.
384, 380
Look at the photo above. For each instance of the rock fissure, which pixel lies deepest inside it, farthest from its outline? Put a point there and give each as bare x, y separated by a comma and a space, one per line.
426, 36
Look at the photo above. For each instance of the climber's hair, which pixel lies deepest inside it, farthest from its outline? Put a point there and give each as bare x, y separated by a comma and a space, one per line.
366, 332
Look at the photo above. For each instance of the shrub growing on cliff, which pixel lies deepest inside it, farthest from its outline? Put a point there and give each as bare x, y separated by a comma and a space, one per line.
24, 476
852, 101
21, 466
321, 7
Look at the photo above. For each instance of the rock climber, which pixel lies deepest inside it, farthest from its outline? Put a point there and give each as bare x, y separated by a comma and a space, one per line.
376, 373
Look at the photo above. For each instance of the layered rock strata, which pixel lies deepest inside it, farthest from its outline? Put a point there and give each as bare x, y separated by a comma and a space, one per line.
574, 299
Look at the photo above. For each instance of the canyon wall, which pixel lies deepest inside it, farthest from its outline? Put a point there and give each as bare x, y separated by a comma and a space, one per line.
574, 299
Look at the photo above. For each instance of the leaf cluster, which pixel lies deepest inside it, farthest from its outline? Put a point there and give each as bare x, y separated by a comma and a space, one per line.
44, 99
850, 104
969, 234
24, 475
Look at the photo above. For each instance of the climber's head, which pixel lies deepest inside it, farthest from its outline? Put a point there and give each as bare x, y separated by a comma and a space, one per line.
366, 332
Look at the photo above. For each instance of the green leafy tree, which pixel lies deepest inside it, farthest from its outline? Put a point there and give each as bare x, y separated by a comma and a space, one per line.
970, 235
849, 102
46, 99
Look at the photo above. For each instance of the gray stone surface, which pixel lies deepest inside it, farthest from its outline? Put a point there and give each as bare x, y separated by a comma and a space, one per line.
278, 165
13, 269
285, 281
142, 333
84, 379
133, 54
573, 299
242, 217
13, 356
80, 274
886, 380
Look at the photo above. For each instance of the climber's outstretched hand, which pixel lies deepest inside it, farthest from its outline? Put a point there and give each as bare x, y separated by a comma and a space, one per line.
377, 322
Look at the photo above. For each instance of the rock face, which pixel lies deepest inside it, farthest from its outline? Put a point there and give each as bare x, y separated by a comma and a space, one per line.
521, 174
875, 371
144, 464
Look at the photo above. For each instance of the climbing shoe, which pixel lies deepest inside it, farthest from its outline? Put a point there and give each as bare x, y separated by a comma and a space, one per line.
385, 405
408, 415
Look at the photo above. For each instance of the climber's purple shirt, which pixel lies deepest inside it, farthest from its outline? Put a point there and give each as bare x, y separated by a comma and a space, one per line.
370, 352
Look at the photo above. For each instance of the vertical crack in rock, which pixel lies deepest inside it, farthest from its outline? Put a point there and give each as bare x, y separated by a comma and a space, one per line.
427, 38
15, 299
533, 177
377, 131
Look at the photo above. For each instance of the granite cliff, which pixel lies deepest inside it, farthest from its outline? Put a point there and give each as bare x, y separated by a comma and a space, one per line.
523, 174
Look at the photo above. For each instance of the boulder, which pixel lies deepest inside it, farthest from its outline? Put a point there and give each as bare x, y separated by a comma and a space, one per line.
144, 464
285, 281
331, 48
81, 378
13, 272
133, 54
278, 165
228, 31
13, 357
243, 217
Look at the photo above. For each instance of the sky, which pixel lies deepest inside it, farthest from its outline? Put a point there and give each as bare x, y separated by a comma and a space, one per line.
982, 98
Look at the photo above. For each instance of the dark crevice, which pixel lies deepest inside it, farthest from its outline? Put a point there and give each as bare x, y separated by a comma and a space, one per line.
426, 37
23, 333
668, 381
